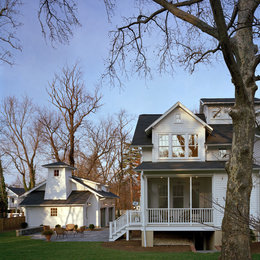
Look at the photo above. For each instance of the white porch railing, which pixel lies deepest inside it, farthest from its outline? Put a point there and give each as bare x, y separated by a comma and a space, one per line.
160, 216
179, 216
130, 218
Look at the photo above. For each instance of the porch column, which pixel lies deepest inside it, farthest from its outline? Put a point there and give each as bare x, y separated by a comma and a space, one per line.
168, 201
143, 207
190, 200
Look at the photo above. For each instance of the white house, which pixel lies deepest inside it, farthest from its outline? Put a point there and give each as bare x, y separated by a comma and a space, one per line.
66, 199
14, 198
183, 178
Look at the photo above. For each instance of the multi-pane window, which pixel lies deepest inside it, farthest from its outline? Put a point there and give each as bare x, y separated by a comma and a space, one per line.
54, 212
163, 146
222, 153
178, 118
178, 145
56, 173
193, 145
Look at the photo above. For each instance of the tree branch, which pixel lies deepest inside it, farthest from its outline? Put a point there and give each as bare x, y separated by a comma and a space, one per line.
187, 17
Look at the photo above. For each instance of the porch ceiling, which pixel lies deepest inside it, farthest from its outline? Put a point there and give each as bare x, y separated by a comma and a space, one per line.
184, 166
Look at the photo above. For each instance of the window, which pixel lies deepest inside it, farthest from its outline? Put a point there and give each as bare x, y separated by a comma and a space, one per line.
54, 212
222, 153
193, 145
56, 173
163, 146
178, 118
178, 145
12, 199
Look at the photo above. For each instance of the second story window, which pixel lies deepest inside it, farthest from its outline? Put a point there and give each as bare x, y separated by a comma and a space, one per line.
174, 146
193, 145
178, 145
56, 173
223, 154
178, 118
163, 146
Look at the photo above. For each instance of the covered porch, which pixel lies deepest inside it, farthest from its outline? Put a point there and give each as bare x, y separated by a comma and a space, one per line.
178, 200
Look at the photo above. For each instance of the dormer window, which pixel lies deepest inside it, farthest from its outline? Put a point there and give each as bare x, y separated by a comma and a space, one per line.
56, 173
178, 118
163, 146
182, 146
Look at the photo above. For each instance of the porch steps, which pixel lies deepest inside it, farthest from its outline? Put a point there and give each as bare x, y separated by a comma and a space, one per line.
118, 235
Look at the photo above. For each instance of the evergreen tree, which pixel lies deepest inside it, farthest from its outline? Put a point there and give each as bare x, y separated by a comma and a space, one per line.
3, 194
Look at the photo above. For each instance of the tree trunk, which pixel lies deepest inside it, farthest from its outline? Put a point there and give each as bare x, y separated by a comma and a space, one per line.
71, 152
32, 177
235, 225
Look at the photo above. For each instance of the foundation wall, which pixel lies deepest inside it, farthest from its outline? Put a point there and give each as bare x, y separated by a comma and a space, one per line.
149, 238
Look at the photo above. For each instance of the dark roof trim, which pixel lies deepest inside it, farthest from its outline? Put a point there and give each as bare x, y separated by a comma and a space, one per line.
222, 100
59, 165
185, 166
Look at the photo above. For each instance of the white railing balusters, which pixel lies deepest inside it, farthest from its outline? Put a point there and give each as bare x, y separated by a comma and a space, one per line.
179, 215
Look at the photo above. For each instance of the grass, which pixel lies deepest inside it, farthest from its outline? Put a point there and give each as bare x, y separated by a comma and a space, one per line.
12, 247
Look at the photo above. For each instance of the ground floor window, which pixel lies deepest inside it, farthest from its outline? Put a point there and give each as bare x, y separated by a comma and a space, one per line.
54, 212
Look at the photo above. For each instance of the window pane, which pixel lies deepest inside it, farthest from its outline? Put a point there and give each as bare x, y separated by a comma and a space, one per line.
193, 151
163, 140
163, 152
193, 139
178, 151
178, 140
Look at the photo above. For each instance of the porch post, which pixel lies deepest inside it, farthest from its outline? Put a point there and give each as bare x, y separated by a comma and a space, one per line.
168, 201
143, 205
190, 200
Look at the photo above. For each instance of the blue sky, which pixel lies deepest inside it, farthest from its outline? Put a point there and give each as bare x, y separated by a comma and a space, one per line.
36, 64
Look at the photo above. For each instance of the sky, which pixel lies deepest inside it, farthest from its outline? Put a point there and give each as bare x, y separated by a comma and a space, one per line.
36, 64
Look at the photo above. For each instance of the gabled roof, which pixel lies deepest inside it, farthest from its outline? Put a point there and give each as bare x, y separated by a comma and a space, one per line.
178, 104
17, 191
59, 165
104, 194
185, 166
142, 139
36, 198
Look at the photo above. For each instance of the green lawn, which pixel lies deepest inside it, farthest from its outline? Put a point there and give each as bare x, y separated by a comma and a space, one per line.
12, 247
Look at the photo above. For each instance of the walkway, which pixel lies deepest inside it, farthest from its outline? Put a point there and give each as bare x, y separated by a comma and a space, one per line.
89, 236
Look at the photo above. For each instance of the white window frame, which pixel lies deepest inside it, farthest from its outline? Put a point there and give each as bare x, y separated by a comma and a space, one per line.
186, 156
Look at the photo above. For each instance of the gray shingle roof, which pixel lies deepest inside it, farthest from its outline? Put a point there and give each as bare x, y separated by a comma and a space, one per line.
184, 166
17, 191
222, 134
222, 100
36, 198
140, 137
105, 194
59, 165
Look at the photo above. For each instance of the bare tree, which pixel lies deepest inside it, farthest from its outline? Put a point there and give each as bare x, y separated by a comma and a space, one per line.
192, 31
99, 156
21, 137
54, 134
67, 93
57, 19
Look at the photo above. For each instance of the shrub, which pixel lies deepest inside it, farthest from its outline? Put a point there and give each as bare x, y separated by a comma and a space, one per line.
76, 227
58, 226
91, 226
47, 232
24, 225
252, 236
